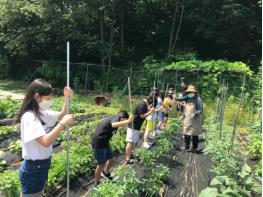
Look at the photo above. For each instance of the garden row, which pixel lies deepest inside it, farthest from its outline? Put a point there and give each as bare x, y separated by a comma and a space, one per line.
82, 160
148, 177
80, 150
230, 161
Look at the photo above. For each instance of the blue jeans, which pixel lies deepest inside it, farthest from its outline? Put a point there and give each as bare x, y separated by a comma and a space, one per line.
160, 115
102, 155
33, 175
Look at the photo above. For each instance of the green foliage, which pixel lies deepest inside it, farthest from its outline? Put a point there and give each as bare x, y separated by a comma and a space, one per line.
210, 75
232, 179
7, 130
151, 184
171, 130
126, 176
255, 149
118, 142
15, 147
164, 146
9, 183
81, 161
245, 185
101, 110
225, 160
258, 168
146, 158
109, 189
125, 183
82, 129
38, 30
53, 73
76, 104
9, 107
255, 145
3, 164
209, 66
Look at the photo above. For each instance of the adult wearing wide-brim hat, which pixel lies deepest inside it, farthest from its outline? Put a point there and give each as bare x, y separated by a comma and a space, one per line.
192, 125
191, 89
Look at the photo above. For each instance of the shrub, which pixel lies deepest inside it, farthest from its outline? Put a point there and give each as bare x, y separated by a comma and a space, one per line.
9, 107
9, 183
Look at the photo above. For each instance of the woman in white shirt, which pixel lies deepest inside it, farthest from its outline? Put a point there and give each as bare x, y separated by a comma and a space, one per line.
38, 134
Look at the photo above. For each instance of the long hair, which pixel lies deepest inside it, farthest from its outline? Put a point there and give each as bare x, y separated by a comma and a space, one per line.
39, 86
150, 100
161, 94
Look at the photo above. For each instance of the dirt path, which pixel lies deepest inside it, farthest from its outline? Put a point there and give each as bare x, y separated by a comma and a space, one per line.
4, 94
191, 173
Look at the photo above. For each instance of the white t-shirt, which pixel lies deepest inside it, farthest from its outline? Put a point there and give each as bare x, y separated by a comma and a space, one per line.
32, 128
159, 102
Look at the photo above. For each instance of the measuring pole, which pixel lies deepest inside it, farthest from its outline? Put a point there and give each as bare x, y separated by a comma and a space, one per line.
68, 105
153, 92
166, 90
158, 73
86, 80
131, 72
129, 87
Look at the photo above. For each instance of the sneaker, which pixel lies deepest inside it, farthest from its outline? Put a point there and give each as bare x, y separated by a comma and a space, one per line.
146, 145
106, 176
158, 131
152, 134
96, 185
183, 148
131, 161
150, 143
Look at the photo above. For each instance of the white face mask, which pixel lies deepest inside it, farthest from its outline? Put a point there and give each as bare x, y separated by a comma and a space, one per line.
45, 104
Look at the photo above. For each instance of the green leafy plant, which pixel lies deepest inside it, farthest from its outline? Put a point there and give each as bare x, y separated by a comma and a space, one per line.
126, 176
16, 147
164, 146
146, 158
225, 161
9, 183
9, 107
109, 189
81, 161
151, 184
84, 130
7, 130
125, 183
255, 145
3, 164
77, 105
118, 142
246, 185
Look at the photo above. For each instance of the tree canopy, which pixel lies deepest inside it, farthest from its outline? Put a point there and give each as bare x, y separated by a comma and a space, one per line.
124, 32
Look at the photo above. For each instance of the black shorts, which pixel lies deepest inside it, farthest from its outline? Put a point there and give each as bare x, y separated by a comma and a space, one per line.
166, 115
102, 155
